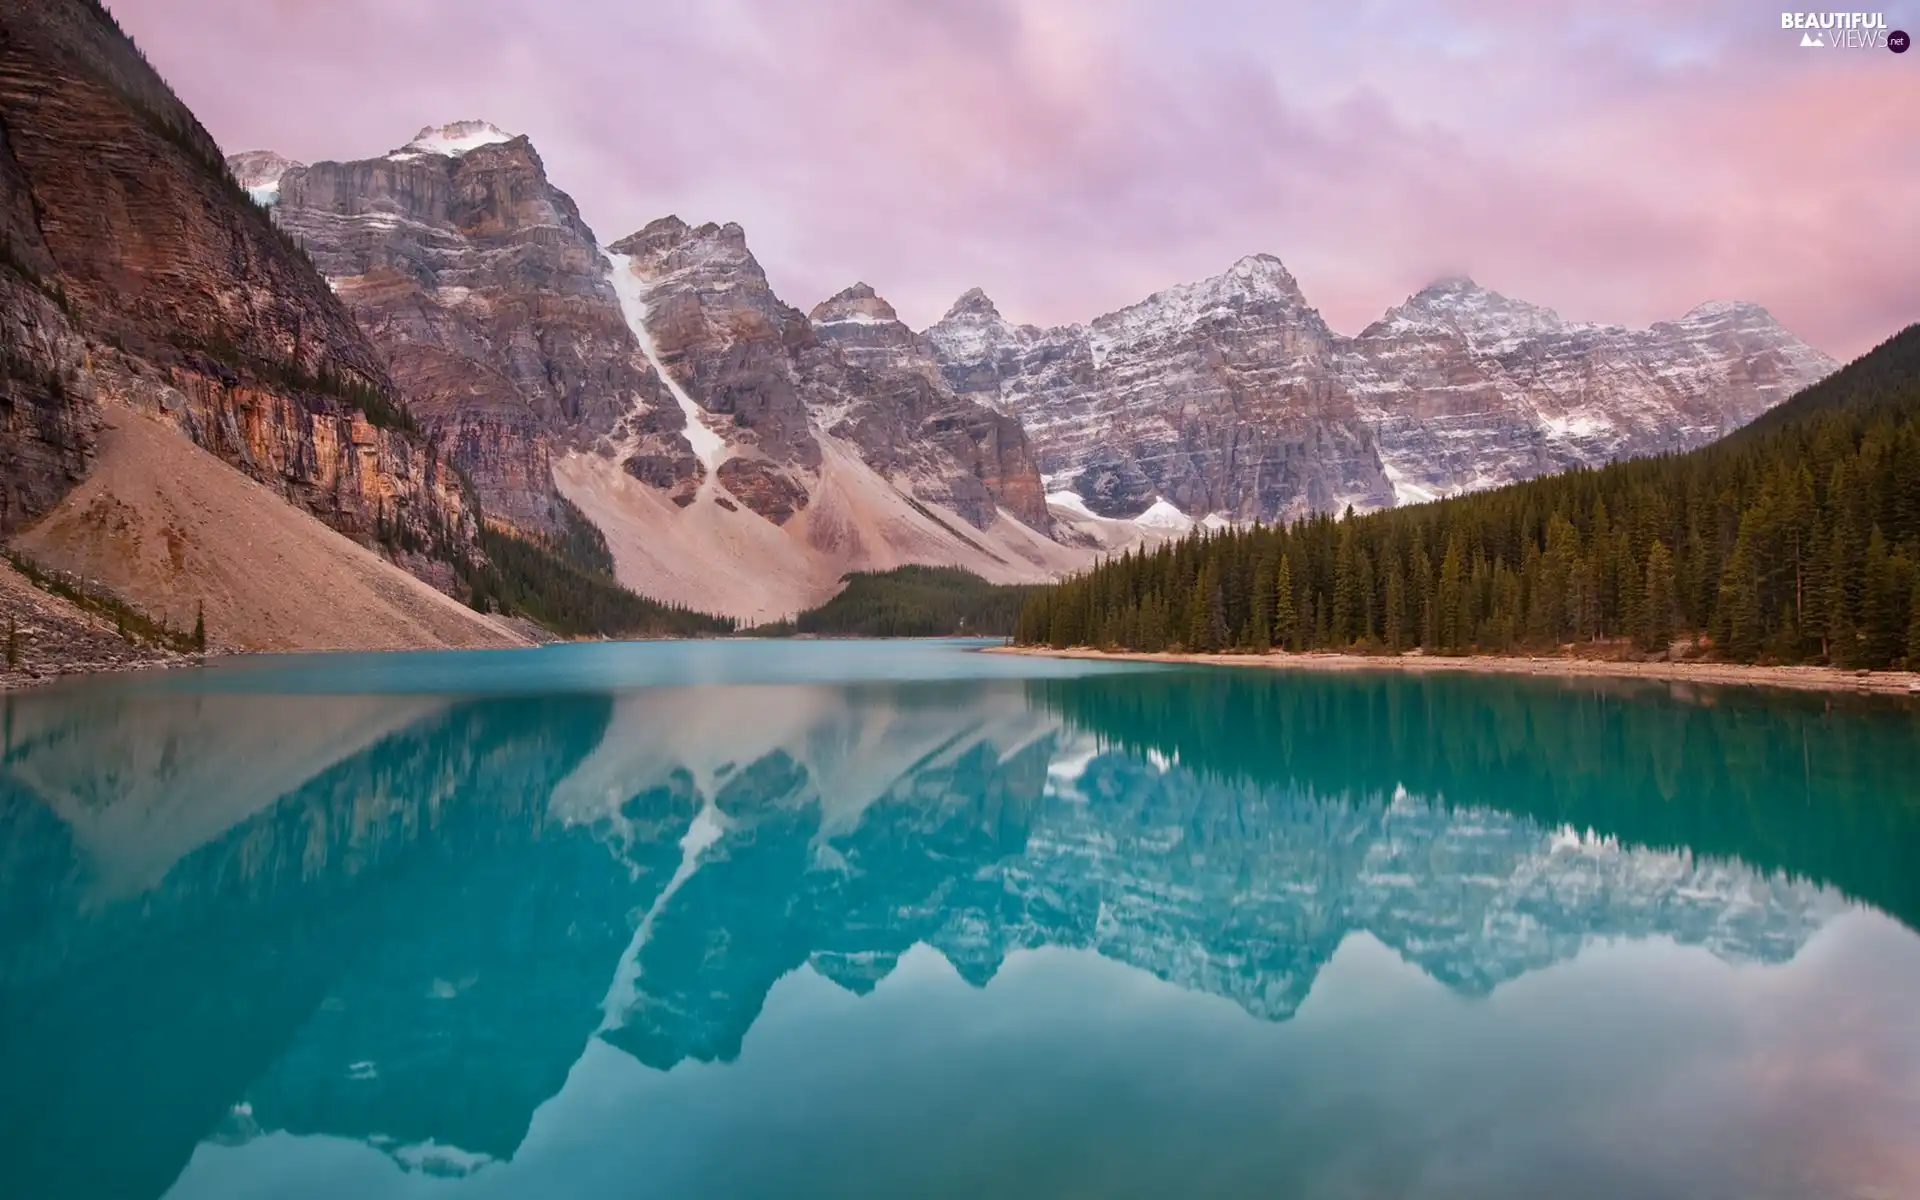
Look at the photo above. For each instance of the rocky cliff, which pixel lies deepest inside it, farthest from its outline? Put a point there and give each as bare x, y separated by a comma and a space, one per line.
1232, 397
137, 273
484, 289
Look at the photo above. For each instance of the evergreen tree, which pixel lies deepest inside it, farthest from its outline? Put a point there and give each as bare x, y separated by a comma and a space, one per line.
1206, 613
13, 642
1396, 610
1286, 617
1451, 632
1913, 634
1738, 623
1346, 589
200, 628
1656, 608
1261, 620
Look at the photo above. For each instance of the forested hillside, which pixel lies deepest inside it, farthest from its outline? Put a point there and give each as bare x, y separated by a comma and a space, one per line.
912, 602
1796, 539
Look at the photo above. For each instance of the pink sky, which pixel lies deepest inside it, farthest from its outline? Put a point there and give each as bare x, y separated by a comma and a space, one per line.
1618, 160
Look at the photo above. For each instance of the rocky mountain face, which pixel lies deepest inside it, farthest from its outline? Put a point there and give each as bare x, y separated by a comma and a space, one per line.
1231, 396
1217, 397
1466, 389
904, 416
739, 353
483, 288
137, 273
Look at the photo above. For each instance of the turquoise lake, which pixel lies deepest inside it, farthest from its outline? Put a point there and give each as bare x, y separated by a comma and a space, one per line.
901, 919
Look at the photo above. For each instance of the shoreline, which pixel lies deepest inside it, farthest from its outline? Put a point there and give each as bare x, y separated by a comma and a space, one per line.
1814, 679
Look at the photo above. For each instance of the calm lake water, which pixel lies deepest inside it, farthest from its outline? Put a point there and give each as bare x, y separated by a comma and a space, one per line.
863, 919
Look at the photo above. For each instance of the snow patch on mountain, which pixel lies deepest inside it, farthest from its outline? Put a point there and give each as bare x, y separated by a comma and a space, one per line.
260, 171
1071, 502
1161, 515
1405, 490
709, 446
451, 141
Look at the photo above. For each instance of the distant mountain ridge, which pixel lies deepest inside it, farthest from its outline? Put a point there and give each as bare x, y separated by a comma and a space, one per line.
1232, 397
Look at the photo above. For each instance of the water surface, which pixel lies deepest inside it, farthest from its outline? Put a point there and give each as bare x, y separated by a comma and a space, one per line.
881, 919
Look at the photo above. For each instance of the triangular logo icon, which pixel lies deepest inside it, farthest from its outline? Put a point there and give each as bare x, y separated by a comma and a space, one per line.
1813, 39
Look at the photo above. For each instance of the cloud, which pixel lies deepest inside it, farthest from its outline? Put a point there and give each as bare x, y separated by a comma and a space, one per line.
1619, 162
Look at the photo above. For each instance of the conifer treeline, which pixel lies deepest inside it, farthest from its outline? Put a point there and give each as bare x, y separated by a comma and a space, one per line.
1796, 539
911, 601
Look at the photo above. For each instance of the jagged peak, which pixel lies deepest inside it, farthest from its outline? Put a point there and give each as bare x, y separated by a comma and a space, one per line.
1261, 276
661, 233
452, 140
1451, 285
1257, 280
669, 243
972, 303
857, 305
1455, 304
1716, 310
1261, 263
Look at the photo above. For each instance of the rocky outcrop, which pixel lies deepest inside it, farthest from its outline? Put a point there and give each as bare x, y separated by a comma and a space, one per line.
486, 292
162, 286
1231, 397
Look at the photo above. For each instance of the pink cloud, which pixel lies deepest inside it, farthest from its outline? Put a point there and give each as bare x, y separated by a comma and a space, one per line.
1619, 162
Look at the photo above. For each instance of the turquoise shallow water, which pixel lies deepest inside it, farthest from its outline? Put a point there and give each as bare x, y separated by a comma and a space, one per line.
884, 919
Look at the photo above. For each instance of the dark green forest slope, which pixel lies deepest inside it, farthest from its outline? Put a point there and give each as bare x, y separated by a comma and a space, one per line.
912, 602
1796, 539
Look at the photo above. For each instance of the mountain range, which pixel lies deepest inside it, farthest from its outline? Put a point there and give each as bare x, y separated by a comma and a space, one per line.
1228, 399
420, 345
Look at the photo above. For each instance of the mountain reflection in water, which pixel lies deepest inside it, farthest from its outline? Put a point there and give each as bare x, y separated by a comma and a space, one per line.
404, 919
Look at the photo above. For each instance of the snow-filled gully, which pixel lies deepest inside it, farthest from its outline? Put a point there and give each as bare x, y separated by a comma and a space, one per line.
707, 445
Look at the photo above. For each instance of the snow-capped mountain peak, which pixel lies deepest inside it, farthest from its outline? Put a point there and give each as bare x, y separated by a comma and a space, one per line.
972, 303
1457, 305
453, 140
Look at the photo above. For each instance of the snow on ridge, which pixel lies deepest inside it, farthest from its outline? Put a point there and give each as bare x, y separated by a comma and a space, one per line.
855, 318
451, 141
